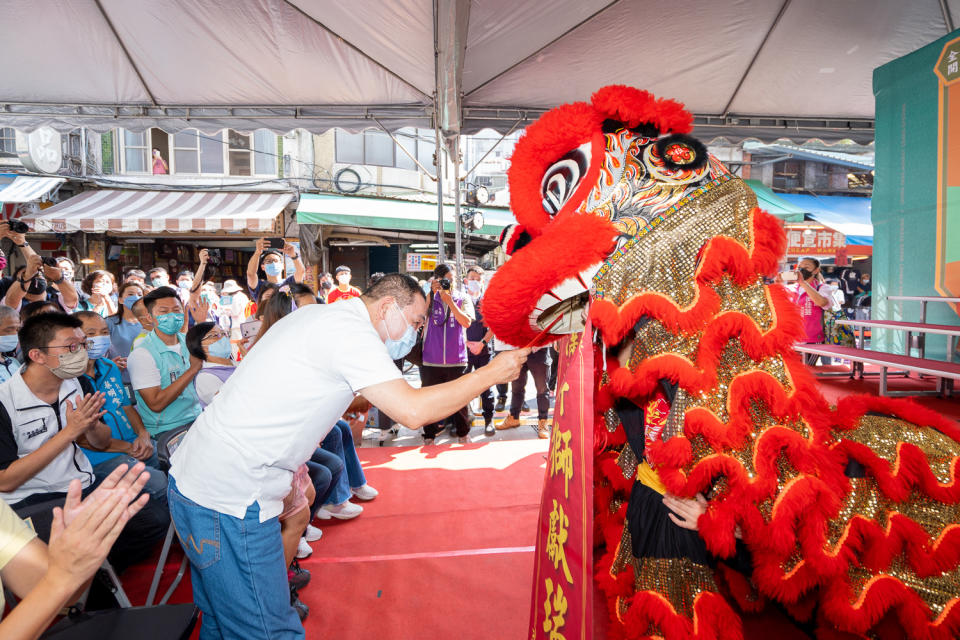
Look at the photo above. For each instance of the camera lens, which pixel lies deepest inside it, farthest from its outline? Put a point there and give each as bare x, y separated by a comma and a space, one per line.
445, 284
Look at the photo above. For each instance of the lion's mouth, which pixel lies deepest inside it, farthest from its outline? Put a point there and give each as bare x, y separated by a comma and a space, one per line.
566, 301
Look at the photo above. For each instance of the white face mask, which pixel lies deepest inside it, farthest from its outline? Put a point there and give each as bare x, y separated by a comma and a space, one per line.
473, 287
343, 278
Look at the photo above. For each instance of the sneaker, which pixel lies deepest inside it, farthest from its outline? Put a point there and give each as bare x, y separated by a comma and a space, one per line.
364, 492
488, 429
313, 533
304, 550
344, 511
302, 610
297, 576
501, 404
508, 423
543, 429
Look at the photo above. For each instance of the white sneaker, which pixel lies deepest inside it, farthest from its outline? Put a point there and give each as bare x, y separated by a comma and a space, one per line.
365, 492
304, 550
344, 511
313, 533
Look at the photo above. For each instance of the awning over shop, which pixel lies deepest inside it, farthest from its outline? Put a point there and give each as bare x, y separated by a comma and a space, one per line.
389, 213
28, 188
773, 202
848, 215
125, 211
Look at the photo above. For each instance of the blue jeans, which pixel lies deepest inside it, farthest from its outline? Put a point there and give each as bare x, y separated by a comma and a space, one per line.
156, 486
340, 442
237, 570
325, 471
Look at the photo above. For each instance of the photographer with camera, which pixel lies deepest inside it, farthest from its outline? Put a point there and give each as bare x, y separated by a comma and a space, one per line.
449, 314
30, 283
266, 265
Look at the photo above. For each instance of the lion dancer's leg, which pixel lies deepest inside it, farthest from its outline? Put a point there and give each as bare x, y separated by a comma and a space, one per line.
657, 576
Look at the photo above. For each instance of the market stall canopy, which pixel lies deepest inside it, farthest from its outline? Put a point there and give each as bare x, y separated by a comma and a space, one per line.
28, 188
848, 215
126, 211
772, 202
747, 68
390, 214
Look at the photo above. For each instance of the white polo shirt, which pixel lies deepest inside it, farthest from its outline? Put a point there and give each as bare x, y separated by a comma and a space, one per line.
282, 400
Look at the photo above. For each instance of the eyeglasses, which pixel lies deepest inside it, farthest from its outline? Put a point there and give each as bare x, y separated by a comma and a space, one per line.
72, 348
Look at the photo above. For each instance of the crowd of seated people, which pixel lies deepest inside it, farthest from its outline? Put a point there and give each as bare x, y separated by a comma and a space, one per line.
96, 380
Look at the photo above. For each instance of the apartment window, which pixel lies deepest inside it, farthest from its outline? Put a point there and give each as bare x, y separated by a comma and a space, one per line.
252, 154
378, 149
264, 152
197, 152
8, 140
136, 156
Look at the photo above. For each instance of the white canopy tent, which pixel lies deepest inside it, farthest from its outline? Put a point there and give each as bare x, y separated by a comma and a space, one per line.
747, 68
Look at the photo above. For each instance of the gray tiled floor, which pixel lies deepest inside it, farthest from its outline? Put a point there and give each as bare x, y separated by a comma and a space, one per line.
400, 436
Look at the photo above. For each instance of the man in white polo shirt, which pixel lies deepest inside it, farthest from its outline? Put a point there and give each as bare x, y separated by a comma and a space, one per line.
231, 472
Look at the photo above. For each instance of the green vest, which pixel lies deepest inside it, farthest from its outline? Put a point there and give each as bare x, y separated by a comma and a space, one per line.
183, 410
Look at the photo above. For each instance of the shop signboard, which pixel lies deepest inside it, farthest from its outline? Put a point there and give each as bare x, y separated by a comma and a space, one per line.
947, 265
41, 150
417, 262
814, 241
562, 605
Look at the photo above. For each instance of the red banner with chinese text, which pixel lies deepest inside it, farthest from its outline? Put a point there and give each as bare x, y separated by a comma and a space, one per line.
562, 607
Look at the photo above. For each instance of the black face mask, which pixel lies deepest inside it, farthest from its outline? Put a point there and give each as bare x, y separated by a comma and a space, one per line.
806, 274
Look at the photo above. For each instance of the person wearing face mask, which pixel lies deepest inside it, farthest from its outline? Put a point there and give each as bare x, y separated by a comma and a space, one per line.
343, 290
138, 276
124, 326
130, 443
162, 369
9, 325
233, 469
46, 415
445, 345
233, 311
30, 284
185, 284
159, 277
266, 266
812, 296
98, 285
478, 343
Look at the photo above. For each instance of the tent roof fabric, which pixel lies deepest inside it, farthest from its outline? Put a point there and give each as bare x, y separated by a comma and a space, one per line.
748, 68
125, 211
28, 188
848, 215
389, 213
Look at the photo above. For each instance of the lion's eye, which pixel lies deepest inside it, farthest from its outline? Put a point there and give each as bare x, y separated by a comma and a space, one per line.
562, 178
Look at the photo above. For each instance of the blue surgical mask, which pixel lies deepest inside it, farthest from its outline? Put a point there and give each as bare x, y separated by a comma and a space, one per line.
184, 284
272, 269
400, 348
170, 323
158, 282
221, 348
129, 301
98, 346
8, 343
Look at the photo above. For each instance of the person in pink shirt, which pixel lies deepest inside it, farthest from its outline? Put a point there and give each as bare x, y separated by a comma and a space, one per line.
159, 164
809, 299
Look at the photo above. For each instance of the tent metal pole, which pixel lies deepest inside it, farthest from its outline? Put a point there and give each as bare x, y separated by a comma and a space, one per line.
458, 246
440, 248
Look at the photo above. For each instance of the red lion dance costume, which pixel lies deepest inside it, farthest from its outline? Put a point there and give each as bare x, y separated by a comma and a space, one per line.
845, 514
